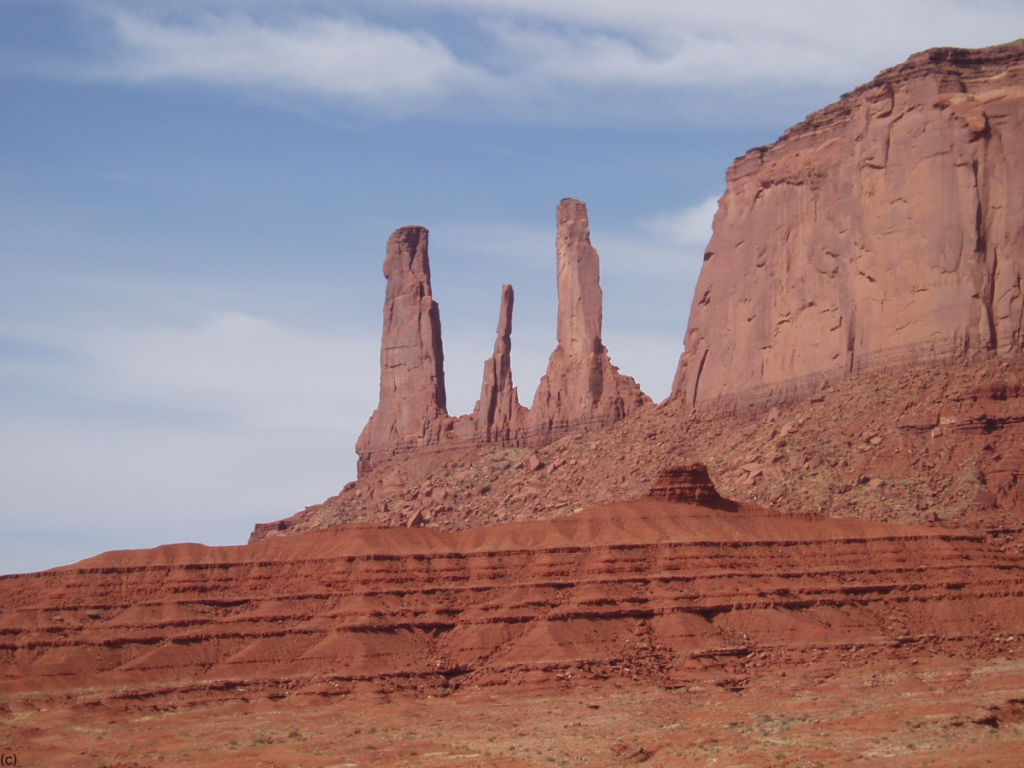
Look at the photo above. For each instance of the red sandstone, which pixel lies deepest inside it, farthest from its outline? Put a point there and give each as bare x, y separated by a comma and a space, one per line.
581, 390
885, 229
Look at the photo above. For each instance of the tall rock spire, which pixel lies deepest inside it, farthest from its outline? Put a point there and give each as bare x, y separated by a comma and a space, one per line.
412, 394
580, 300
498, 416
581, 387
581, 390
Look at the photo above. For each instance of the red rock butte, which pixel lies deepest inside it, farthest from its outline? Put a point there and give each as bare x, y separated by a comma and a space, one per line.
885, 229
581, 389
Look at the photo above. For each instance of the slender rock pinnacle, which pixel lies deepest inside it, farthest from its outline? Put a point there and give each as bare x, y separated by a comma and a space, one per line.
412, 394
581, 387
498, 416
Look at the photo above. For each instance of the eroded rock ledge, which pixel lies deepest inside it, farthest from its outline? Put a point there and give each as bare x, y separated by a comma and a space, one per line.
693, 587
687, 484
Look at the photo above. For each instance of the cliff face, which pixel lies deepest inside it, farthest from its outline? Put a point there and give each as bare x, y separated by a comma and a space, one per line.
885, 229
581, 389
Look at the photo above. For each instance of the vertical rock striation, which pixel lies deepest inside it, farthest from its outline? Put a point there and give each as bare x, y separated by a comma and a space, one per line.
581, 387
411, 411
886, 229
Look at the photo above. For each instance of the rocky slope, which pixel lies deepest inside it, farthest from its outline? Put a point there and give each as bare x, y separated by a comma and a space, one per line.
942, 446
581, 389
886, 229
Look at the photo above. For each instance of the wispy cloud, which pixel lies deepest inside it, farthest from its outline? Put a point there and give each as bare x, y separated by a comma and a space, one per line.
667, 246
315, 54
515, 51
690, 228
140, 433
230, 367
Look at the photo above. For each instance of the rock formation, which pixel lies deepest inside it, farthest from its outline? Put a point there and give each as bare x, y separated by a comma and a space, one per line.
686, 484
917, 444
498, 416
581, 386
316, 614
885, 229
581, 390
412, 395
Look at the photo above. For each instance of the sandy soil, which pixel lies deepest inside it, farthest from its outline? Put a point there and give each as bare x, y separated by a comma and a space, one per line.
832, 712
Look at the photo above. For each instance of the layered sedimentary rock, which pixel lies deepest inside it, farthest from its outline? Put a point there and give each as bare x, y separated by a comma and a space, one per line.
581, 389
498, 416
887, 228
686, 484
412, 394
674, 593
581, 386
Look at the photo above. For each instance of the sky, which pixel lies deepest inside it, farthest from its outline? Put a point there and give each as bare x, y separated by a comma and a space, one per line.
195, 198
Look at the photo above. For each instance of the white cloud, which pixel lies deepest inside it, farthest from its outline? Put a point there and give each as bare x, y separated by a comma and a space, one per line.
73, 487
237, 367
316, 53
663, 61
668, 246
140, 433
672, 45
690, 227
516, 50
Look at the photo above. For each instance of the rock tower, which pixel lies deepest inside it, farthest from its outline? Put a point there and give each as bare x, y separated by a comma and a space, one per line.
411, 410
581, 390
581, 386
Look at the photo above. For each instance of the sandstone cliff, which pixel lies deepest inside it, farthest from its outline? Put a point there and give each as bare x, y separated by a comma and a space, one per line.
885, 229
581, 389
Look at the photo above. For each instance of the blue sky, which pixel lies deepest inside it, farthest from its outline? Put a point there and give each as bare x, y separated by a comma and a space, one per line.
195, 198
